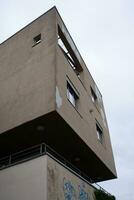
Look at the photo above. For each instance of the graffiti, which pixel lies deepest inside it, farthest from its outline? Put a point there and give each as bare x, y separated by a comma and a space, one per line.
74, 193
69, 191
83, 195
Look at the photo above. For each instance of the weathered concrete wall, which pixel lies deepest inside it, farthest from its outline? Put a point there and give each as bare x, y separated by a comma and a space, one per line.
25, 181
33, 82
27, 73
64, 185
83, 118
42, 179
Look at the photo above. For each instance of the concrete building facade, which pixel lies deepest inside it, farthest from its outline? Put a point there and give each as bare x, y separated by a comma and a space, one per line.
49, 96
45, 179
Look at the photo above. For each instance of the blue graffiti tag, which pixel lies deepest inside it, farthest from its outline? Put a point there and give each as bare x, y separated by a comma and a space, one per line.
83, 195
69, 191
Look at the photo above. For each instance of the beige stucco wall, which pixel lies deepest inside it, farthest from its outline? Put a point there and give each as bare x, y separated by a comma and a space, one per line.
25, 181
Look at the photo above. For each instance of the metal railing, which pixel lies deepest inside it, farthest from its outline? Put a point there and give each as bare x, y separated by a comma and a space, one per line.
43, 149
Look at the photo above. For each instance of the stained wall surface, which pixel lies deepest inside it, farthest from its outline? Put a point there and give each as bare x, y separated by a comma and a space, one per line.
64, 185
44, 179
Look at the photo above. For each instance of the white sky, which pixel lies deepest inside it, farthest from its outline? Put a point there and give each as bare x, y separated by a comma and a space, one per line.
104, 34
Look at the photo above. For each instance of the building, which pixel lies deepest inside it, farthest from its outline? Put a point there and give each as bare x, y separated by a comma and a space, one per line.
52, 119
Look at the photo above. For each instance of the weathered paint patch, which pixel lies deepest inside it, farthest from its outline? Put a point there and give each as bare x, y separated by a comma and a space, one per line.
58, 98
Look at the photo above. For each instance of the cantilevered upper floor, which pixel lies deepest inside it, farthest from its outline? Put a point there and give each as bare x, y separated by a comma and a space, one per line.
48, 95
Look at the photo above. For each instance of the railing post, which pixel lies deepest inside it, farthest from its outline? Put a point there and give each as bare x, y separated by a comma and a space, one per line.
10, 159
45, 149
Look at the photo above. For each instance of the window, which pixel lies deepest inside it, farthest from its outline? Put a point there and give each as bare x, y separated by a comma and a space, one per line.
93, 95
68, 52
37, 39
72, 94
99, 132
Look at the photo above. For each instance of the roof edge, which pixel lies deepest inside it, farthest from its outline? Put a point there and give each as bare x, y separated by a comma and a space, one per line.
53, 8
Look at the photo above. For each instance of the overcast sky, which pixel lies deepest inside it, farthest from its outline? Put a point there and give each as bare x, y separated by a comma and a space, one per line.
103, 31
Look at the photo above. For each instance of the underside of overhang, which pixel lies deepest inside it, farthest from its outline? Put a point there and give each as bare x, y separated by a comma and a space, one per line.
55, 132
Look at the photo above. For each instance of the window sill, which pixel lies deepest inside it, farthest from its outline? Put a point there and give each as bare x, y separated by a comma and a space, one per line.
36, 43
102, 143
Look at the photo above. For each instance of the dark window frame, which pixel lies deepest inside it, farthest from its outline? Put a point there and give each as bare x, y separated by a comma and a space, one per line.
37, 39
72, 94
99, 132
93, 95
68, 52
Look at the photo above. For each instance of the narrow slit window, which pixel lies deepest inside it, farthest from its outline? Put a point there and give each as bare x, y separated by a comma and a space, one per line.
93, 95
99, 132
61, 44
37, 39
72, 95
68, 52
